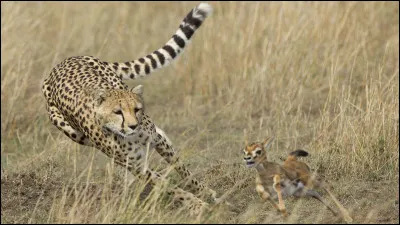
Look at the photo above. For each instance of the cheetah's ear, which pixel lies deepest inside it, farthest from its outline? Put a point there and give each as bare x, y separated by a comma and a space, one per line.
99, 95
267, 142
138, 90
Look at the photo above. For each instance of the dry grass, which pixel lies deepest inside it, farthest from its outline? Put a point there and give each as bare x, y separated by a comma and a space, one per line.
318, 76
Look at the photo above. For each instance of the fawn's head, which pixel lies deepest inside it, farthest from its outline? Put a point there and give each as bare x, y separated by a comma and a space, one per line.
256, 152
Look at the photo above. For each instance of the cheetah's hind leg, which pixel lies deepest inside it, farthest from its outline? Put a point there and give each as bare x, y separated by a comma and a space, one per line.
58, 120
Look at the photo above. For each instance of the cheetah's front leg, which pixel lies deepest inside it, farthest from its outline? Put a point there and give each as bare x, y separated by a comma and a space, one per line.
58, 120
164, 147
195, 205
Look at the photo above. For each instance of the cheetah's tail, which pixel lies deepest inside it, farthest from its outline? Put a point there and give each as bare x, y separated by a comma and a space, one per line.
163, 56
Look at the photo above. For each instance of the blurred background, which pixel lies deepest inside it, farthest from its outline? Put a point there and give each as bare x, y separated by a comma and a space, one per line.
321, 76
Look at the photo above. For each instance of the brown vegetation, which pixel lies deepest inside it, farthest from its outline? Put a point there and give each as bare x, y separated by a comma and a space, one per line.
322, 76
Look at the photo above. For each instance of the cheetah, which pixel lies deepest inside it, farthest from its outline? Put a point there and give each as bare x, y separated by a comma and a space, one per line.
293, 178
88, 101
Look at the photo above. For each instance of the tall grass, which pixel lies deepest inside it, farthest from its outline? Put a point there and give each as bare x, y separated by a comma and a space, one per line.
318, 76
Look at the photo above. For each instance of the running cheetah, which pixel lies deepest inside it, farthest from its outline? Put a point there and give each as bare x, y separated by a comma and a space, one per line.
88, 100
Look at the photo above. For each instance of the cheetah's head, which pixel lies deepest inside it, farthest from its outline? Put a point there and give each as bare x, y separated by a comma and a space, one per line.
119, 111
255, 153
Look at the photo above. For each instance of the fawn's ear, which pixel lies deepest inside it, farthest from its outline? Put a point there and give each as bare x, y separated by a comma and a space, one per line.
267, 142
246, 140
138, 90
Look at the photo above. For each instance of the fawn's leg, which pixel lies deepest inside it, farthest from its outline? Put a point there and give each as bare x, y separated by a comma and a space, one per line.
317, 196
317, 182
264, 194
278, 189
345, 213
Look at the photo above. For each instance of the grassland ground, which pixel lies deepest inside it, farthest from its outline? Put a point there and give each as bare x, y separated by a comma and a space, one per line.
319, 76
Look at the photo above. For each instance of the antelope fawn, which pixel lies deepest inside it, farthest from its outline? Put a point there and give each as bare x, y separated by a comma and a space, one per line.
293, 178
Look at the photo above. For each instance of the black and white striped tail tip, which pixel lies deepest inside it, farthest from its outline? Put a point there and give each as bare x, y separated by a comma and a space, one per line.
204, 9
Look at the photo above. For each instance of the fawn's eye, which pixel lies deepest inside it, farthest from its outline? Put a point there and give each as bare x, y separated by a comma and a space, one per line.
118, 112
258, 152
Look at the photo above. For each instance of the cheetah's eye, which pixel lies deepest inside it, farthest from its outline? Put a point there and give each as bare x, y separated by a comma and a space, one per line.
118, 112
136, 110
